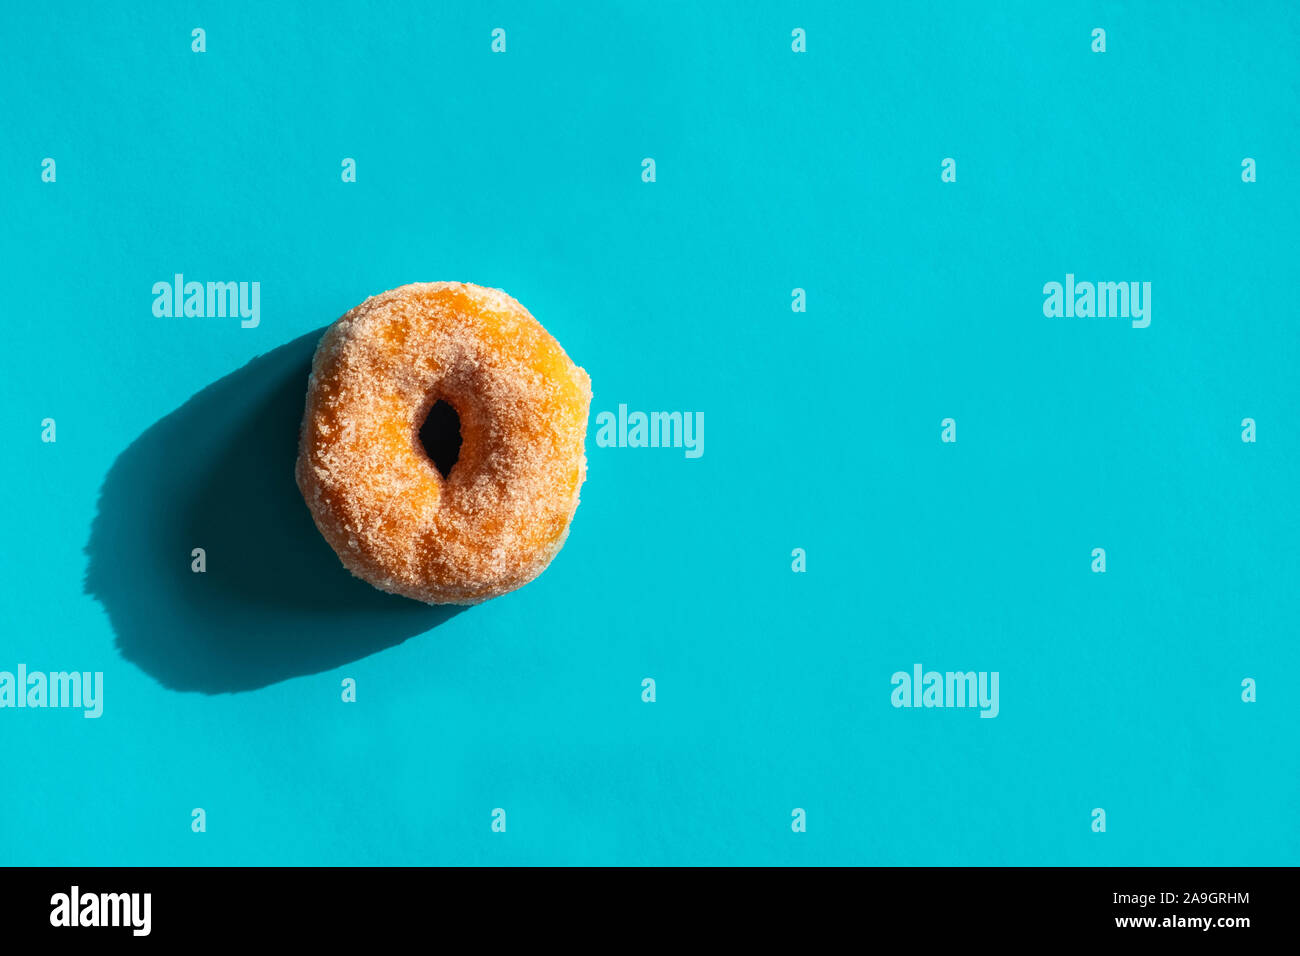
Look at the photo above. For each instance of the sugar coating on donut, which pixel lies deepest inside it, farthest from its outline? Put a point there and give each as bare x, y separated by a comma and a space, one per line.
503, 512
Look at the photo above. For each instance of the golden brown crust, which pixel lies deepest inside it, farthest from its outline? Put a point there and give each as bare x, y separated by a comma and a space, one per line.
500, 516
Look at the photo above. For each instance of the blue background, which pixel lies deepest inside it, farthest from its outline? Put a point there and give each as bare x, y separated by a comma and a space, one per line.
775, 170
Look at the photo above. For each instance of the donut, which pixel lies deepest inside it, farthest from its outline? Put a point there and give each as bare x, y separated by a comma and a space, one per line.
502, 511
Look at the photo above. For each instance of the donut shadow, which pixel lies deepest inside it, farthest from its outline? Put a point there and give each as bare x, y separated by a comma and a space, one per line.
274, 601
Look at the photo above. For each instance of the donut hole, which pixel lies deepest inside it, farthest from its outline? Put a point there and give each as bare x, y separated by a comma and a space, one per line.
441, 438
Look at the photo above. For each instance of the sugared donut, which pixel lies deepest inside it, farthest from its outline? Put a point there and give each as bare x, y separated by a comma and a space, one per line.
503, 511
